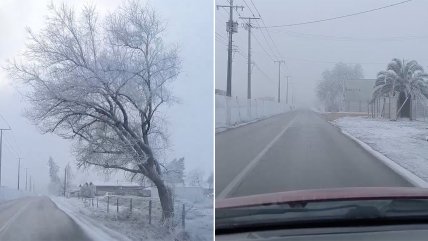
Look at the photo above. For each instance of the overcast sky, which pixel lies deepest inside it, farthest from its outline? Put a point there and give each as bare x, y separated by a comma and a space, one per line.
370, 39
190, 122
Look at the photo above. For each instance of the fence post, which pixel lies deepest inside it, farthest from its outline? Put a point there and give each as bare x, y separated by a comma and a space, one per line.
150, 212
97, 202
108, 203
183, 217
117, 205
92, 201
130, 205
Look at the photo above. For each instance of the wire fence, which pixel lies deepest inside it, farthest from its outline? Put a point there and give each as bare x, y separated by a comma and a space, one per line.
386, 107
126, 207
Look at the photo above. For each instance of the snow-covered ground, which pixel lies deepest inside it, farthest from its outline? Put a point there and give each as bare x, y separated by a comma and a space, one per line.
402, 141
135, 226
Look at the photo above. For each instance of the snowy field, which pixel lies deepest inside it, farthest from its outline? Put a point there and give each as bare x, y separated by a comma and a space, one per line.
402, 141
127, 225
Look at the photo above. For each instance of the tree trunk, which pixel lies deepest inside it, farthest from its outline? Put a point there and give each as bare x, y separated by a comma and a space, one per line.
399, 110
164, 192
389, 109
165, 196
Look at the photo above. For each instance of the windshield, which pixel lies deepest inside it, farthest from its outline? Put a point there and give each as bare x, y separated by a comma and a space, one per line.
318, 95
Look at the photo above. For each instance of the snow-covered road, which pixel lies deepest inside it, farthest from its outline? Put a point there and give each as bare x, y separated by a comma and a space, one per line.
402, 141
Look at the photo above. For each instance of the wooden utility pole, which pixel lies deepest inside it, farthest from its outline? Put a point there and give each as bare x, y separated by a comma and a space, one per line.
26, 175
1, 142
65, 179
19, 170
249, 27
286, 99
231, 28
279, 78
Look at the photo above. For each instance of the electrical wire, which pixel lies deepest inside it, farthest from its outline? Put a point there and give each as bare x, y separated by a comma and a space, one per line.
338, 17
278, 56
348, 38
260, 44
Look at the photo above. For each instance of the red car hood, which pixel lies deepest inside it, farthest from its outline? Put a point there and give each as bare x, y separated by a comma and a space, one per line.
354, 193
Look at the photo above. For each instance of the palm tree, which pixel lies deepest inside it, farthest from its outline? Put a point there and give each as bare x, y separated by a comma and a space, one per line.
403, 77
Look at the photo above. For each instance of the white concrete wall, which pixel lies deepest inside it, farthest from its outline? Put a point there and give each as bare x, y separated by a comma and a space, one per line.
232, 111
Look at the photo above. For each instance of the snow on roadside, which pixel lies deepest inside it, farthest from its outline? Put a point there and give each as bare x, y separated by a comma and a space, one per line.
402, 141
93, 228
199, 219
124, 226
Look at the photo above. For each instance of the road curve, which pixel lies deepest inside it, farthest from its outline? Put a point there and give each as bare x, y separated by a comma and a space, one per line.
294, 151
37, 219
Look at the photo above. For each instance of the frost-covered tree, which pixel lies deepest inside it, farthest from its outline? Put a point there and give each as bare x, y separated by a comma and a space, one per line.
67, 179
195, 178
102, 84
174, 173
401, 76
331, 89
55, 182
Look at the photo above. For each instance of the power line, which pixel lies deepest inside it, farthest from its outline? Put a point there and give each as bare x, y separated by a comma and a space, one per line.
260, 44
5, 121
249, 8
291, 59
348, 38
271, 39
255, 8
262, 72
264, 36
268, 44
11, 149
338, 17
256, 66
12, 132
265, 29
221, 37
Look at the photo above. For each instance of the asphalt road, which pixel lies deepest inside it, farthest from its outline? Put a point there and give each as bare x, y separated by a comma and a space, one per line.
37, 219
294, 151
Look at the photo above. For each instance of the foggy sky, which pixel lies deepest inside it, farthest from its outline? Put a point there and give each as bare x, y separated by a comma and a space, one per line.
190, 122
371, 39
